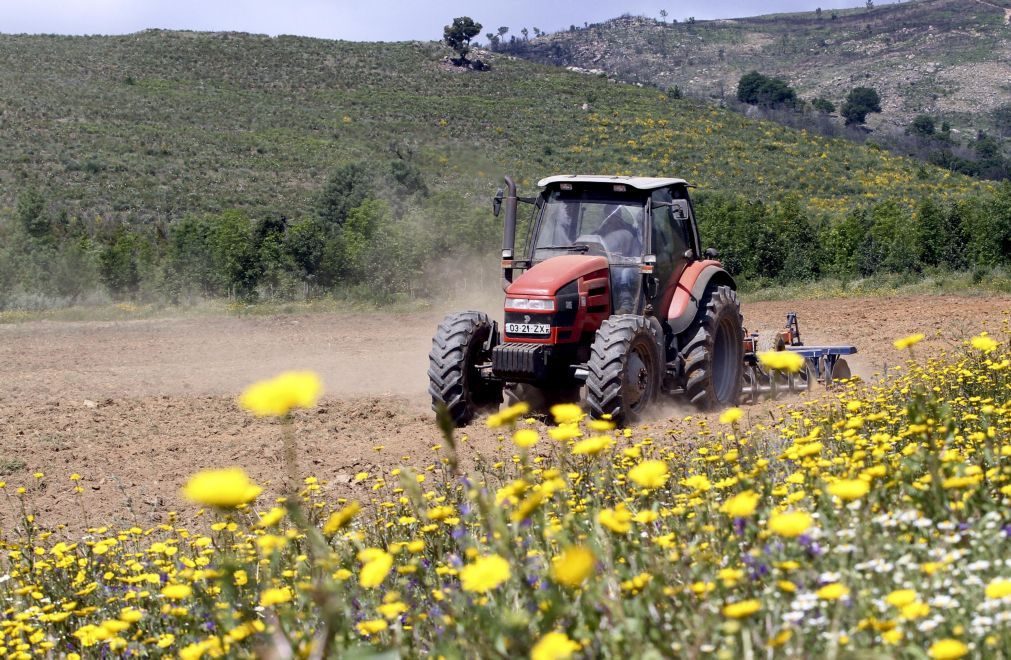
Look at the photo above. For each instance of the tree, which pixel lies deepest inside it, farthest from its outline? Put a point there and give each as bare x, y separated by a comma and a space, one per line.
823, 106
1002, 120
921, 126
663, 15
526, 34
756, 89
347, 188
31, 213
458, 35
859, 103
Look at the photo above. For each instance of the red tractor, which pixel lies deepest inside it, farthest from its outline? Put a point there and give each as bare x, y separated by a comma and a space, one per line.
614, 294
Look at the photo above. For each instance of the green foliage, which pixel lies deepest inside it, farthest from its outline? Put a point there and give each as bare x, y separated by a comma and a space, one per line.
756, 89
458, 34
31, 213
347, 187
119, 263
197, 211
922, 126
860, 102
823, 106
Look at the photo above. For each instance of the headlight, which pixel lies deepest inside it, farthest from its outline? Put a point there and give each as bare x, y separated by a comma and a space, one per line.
527, 303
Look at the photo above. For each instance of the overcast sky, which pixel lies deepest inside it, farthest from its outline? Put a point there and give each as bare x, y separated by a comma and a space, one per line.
357, 20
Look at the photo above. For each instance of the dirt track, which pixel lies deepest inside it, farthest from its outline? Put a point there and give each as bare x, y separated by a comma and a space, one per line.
135, 407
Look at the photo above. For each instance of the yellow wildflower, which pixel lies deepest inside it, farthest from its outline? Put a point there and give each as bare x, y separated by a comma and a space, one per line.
741, 505
566, 413
909, 341
573, 566
833, 591
948, 649
848, 489
998, 588
275, 596
226, 488
790, 524
525, 438
618, 519
731, 415
782, 361
376, 566
592, 446
338, 520
509, 415
372, 627
649, 474
984, 343
553, 646
278, 396
484, 574
744, 608
176, 591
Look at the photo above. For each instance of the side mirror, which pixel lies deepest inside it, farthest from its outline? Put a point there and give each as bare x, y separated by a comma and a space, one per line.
711, 253
496, 203
689, 254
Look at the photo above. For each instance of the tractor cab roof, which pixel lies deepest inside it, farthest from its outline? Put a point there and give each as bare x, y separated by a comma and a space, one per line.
637, 182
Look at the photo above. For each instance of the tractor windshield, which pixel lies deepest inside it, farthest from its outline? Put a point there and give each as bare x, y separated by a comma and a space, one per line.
589, 221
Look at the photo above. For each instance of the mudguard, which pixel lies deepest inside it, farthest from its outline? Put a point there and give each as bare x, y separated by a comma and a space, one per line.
694, 280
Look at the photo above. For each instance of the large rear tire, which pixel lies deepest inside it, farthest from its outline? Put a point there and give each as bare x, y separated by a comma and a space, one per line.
625, 369
713, 350
454, 379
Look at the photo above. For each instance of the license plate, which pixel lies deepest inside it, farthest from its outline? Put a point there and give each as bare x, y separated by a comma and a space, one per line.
528, 328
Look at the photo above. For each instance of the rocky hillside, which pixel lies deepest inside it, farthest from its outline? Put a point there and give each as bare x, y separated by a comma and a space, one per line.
947, 58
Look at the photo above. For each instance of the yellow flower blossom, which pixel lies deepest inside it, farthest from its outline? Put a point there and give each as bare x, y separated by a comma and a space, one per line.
484, 574
553, 646
280, 395
227, 488
787, 361
649, 474
983, 343
731, 415
741, 505
848, 489
338, 520
742, 609
573, 566
909, 341
275, 596
948, 649
790, 524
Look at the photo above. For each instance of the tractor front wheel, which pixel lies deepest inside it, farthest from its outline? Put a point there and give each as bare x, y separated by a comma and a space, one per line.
454, 376
625, 369
713, 350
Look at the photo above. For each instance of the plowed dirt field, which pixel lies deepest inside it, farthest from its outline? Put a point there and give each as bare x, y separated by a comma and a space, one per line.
136, 407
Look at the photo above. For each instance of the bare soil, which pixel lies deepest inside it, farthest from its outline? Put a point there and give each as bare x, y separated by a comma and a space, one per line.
136, 407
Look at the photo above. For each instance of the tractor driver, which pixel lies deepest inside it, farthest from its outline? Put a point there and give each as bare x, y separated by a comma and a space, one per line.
622, 236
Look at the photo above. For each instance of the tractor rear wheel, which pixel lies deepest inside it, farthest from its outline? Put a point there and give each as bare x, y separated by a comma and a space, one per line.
454, 379
713, 350
625, 369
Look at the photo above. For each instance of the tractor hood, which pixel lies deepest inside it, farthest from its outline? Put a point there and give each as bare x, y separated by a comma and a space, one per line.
547, 277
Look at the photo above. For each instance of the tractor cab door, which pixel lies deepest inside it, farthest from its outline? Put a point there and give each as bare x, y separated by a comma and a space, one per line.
673, 237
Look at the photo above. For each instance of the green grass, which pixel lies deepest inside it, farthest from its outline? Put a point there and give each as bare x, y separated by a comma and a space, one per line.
149, 127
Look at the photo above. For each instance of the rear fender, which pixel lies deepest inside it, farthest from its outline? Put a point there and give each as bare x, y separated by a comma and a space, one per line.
684, 305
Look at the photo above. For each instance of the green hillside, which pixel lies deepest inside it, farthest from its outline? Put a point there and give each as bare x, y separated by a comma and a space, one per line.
120, 156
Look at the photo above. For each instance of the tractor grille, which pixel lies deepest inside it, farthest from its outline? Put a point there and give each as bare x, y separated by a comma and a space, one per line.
520, 361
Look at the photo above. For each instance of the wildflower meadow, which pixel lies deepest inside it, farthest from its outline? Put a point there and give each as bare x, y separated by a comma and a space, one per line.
871, 520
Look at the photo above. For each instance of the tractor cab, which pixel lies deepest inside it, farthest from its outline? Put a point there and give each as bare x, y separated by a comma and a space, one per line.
644, 228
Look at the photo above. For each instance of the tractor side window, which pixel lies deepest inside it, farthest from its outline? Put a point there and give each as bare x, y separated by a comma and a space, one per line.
668, 241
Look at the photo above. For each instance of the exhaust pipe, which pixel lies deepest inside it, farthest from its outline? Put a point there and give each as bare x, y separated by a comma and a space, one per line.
508, 233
